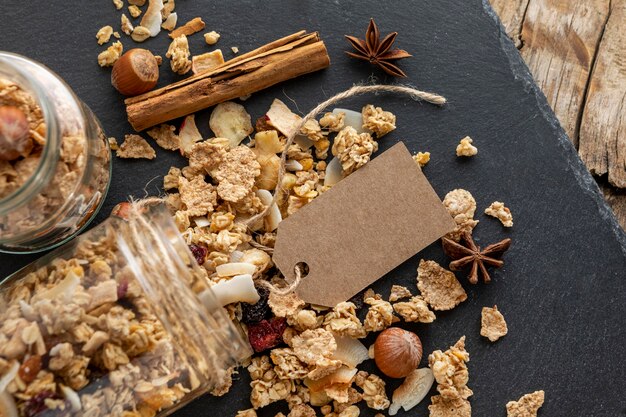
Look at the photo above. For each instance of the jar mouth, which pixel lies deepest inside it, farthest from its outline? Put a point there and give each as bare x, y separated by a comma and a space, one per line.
50, 151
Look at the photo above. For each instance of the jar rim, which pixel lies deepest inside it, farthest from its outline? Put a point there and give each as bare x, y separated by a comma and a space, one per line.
50, 152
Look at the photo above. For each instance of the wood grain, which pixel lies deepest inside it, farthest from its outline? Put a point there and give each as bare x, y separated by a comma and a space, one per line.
511, 13
602, 139
560, 39
617, 200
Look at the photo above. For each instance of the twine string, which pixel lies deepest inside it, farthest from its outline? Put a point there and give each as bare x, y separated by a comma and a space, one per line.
356, 90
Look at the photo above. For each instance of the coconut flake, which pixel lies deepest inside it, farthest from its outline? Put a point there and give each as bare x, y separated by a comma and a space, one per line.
413, 390
7, 405
9, 376
231, 120
303, 142
350, 351
334, 172
293, 165
170, 22
64, 290
151, 20
274, 217
235, 268
283, 119
72, 397
237, 289
202, 221
342, 376
189, 134
236, 256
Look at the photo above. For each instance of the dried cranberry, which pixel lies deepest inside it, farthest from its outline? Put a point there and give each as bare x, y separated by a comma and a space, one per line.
267, 333
199, 252
254, 313
36, 404
122, 289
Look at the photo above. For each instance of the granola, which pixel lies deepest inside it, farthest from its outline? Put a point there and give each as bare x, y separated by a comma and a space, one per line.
493, 326
498, 210
415, 310
312, 346
342, 321
465, 147
527, 406
178, 52
373, 390
379, 316
104, 35
398, 292
461, 206
110, 56
353, 149
334, 122
438, 286
450, 371
422, 158
377, 120
197, 196
165, 137
135, 147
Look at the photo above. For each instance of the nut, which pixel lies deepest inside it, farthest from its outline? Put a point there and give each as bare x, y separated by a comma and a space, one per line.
398, 352
135, 72
14, 133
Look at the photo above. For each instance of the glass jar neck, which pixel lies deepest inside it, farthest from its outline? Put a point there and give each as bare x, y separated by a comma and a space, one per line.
209, 341
35, 79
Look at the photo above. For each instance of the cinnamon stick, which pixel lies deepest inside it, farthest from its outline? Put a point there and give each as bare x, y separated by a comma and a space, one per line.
278, 61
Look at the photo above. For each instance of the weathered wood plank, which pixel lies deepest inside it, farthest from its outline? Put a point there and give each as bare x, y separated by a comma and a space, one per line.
560, 39
602, 143
617, 200
511, 13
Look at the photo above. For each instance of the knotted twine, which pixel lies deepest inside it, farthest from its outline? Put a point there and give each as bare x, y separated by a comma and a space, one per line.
415, 94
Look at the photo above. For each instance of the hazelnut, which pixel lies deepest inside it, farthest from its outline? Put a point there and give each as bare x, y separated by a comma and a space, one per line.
136, 72
15, 138
397, 352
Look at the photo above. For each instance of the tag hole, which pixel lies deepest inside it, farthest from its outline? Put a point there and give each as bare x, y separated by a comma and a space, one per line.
303, 267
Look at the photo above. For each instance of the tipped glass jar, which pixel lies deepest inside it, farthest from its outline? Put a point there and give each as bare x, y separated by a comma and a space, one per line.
120, 322
55, 161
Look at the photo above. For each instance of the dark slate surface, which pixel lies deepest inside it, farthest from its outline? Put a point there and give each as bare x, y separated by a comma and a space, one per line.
562, 289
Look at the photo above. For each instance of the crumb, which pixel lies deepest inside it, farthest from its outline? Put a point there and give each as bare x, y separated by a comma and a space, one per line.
438, 286
134, 11
379, 316
171, 179
111, 55
422, 158
135, 147
235, 49
353, 149
493, 326
461, 205
415, 310
377, 120
398, 292
500, 212
178, 52
165, 137
113, 144
211, 38
159, 59
465, 147
140, 34
116, 35
118, 4
104, 35
527, 406
126, 26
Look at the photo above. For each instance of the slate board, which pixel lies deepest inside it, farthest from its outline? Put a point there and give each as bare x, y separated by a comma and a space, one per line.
563, 286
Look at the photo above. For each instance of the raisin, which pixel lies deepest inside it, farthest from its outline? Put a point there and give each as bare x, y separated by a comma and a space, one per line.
254, 313
267, 333
199, 253
36, 404
30, 368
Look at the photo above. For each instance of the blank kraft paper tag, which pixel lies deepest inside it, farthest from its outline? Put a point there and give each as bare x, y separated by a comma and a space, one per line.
362, 228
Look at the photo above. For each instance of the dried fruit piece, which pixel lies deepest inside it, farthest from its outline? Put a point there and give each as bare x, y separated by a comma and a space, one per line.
206, 62
397, 352
188, 135
170, 23
412, 391
14, 133
37, 403
237, 289
199, 253
8, 407
254, 313
281, 118
266, 334
231, 120
136, 72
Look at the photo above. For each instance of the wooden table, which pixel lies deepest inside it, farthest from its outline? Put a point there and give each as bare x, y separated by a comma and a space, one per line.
576, 51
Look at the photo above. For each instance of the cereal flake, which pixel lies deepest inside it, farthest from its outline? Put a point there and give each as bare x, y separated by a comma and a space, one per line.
398, 292
135, 147
527, 406
178, 52
165, 137
197, 195
415, 310
498, 210
461, 205
237, 173
443, 407
438, 286
285, 305
493, 326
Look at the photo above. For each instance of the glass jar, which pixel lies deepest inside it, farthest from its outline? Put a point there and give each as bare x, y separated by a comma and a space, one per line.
56, 185
120, 322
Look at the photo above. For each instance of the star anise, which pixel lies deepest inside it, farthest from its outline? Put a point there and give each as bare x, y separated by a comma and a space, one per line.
469, 253
378, 52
